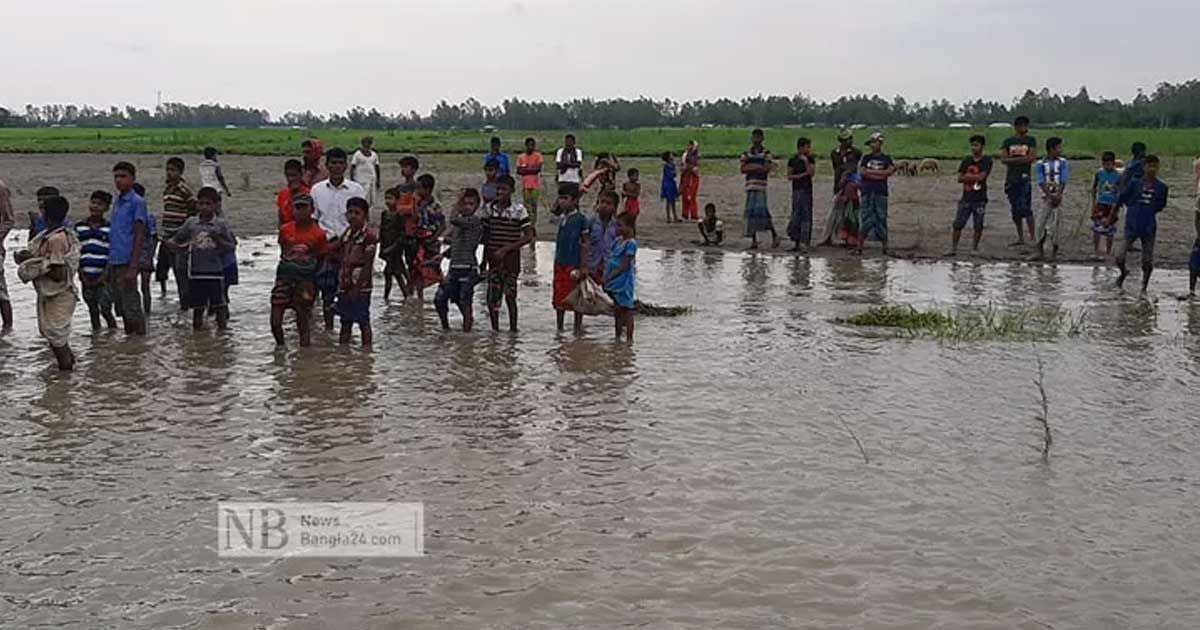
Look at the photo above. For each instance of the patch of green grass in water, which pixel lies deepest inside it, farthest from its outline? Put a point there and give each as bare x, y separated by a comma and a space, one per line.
967, 324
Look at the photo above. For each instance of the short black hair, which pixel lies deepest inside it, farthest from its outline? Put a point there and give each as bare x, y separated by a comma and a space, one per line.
209, 193
1054, 141
1108, 156
293, 165
47, 191
491, 163
1021, 121
494, 140
530, 139
631, 172
367, 139
666, 155
102, 195
567, 189
336, 153
757, 132
570, 136
610, 195
307, 144
426, 181
803, 142
978, 138
1151, 159
410, 160
210, 153
470, 193
176, 162
627, 219
139, 189
56, 209
1138, 149
506, 180
358, 202
393, 192
126, 167
709, 205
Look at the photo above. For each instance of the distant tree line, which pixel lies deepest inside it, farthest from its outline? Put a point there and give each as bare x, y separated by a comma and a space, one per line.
1169, 105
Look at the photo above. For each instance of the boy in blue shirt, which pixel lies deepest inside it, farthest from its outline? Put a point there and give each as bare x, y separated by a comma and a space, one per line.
93, 260
1143, 199
620, 276
128, 229
1105, 191
570, 250
1052, 175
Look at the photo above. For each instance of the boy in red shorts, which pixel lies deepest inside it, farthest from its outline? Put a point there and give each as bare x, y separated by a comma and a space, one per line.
570, 252
302, 245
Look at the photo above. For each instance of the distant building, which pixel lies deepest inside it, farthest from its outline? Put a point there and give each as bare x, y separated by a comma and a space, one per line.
959, 125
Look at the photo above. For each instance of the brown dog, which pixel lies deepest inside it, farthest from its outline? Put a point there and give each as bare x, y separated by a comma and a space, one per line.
931, 165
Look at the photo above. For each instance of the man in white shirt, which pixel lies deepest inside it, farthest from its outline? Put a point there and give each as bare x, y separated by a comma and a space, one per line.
569, 160
364, 169
330, 195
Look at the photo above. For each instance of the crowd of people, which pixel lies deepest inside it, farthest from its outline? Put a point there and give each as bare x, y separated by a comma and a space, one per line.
329, 242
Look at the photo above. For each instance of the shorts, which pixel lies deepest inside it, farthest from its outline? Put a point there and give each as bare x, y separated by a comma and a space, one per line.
1020, 198
458, 288
502, 281
206, 292
563, 285
354, 310
1104, 220
972, 210
294, 293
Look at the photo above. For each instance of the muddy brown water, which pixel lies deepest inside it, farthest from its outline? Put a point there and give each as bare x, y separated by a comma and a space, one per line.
700, 478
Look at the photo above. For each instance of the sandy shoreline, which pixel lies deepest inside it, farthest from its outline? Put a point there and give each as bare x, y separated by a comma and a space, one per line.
921, 208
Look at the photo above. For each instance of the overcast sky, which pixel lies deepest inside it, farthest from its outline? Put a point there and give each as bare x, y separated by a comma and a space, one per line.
400, 55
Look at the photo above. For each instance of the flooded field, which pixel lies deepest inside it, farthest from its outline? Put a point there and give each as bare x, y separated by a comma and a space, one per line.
700, 478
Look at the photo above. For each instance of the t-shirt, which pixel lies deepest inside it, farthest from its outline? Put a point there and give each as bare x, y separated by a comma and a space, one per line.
504, 226
1135, 169
622, 287
329, 204
879, 162
1053, 173
1106, 183
527, 160
568, 249
1143, 202
129, 209
208, 174
1018, 146
975, 192
430, 218
311, 236
758, 180
488, 192
799, 164
205, 255
501, 161
573, 175
177, 207
364, 167
601, 237
468, 233
284, 203
842, 159
712, 230
357, 252
406, 207
93, 249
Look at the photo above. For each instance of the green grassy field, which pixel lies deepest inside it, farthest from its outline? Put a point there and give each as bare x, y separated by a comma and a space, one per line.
723, 142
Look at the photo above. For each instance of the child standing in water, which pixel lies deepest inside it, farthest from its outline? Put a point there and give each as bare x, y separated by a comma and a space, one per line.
50, 262
1143, 199
632, 191
465, 234
570, 254
146, 259
431, 222
620, 276
356, 250
669, 191
210, 172
1104, 203
93, 260
1052, 175
391, 239
206, 237
507, 229
302, 245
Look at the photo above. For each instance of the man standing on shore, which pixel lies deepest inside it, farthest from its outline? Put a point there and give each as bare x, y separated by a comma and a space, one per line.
1018, 153
569, 162
845, 155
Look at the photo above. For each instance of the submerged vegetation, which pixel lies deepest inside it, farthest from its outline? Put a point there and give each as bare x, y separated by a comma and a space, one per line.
656, 310
968, 324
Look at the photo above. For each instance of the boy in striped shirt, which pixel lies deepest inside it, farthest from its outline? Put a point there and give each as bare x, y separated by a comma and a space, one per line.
508, 228
1052, 175
178, 205
93, 260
